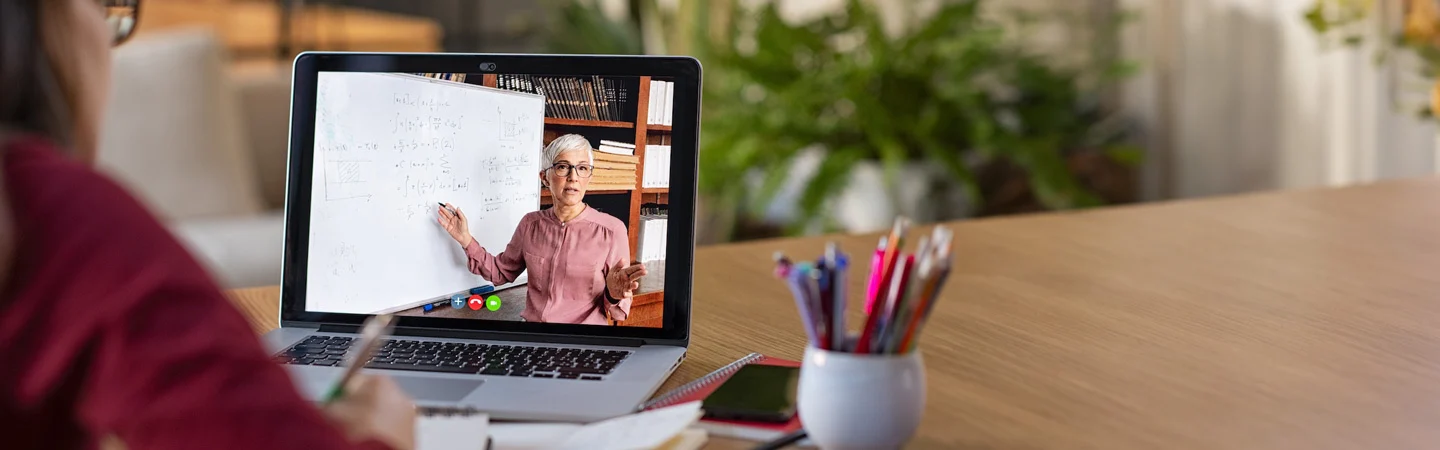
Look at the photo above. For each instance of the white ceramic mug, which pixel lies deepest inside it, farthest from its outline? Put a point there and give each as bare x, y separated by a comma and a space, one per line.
854, 401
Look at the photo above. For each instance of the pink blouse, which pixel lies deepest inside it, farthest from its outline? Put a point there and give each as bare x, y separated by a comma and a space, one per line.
567, 263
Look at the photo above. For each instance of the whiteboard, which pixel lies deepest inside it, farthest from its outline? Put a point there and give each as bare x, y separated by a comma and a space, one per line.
388, 149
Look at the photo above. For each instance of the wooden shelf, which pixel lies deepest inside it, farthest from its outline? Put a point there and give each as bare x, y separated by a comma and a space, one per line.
588, 123
665, 128
655, 190
544, 193
648, 298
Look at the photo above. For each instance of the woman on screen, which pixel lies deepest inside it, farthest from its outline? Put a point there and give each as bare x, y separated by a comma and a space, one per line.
578, 257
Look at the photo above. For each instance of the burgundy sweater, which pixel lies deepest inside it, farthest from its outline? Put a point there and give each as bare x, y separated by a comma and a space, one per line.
108, 327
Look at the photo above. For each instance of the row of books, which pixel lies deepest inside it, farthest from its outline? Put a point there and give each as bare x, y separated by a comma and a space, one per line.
615, 164
577, 98
662, 99
653, 226
449, 76
657, 166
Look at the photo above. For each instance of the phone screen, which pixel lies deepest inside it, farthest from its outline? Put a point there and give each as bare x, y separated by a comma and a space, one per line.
755, 393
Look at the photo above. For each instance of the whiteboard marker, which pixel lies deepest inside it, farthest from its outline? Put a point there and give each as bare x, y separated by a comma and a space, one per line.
452, 210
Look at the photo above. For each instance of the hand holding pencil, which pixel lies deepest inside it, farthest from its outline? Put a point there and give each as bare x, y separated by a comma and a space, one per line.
900, 294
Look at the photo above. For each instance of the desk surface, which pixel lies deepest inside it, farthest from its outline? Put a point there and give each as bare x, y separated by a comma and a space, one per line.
1306, 320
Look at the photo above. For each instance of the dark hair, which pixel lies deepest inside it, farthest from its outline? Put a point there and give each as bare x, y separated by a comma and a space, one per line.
31, 98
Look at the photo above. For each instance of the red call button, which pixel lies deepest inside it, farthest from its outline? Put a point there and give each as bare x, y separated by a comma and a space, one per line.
476, 302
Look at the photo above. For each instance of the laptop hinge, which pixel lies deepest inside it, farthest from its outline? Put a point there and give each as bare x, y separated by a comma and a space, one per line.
493, 336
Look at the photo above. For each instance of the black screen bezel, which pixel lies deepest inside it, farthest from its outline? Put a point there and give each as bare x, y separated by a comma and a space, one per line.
684, 71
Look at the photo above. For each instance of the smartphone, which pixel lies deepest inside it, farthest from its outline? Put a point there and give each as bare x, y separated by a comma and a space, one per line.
755, 393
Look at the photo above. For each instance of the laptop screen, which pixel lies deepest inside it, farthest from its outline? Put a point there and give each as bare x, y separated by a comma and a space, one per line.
501, 197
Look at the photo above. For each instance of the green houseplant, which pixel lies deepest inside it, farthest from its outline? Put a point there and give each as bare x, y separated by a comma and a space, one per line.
954, 91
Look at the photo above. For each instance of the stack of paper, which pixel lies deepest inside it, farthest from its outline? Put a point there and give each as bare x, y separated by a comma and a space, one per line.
614, 166
661, 106
665, 428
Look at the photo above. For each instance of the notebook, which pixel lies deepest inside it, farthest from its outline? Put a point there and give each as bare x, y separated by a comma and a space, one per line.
699, 389
452, 429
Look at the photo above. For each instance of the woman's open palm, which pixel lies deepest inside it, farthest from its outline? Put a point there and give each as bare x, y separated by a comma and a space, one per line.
455, 224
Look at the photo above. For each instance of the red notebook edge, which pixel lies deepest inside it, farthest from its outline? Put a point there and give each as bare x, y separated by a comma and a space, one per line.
753, 431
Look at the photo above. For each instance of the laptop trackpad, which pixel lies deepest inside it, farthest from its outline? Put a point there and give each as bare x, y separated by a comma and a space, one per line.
436, 389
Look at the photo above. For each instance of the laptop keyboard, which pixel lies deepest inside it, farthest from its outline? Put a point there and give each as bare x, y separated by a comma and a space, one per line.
457, 357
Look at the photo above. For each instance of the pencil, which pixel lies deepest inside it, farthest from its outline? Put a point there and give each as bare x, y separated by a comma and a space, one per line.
887, 315
838, 266
815, 285
374, 331
796, 279
905, 306
873, 317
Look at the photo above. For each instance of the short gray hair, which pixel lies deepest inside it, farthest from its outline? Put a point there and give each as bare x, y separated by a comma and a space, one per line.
566, 143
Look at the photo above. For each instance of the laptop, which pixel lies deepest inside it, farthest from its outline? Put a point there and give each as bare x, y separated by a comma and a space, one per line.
521, 322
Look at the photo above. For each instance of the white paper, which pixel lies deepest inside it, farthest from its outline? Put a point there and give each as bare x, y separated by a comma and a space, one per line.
645, 430
530, 436
452, 433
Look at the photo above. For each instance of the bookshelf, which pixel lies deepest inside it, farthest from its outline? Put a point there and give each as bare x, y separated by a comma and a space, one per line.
647, 308
587, 123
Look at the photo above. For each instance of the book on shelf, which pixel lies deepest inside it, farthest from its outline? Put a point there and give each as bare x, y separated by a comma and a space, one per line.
612, 186
596, 98
589, 94
652, 106
669, 108
661, 103
609, 168
657, 166
616, 150
447, 76
632, 160
653, 223
622, 98
657, 162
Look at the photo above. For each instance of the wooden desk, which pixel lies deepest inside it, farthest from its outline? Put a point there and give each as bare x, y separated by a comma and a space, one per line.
1307, 320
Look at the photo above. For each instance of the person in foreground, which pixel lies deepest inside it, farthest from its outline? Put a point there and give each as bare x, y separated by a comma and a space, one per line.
578, 258
110, 332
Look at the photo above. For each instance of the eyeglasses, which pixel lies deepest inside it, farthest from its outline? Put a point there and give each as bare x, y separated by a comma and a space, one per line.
582, 171
121, 15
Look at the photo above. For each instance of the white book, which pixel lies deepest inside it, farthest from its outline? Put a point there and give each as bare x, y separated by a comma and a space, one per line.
669, 102
664, 234
643, 243
616, 150
660, 112
657, 245
654, 104
665, 167
652, 168
617, 144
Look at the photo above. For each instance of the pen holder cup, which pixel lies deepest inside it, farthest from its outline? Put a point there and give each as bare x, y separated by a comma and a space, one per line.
855, 401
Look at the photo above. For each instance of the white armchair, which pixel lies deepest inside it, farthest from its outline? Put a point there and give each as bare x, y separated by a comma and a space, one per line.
204, 146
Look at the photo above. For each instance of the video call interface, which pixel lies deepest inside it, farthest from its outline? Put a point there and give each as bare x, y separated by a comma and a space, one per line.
503, 197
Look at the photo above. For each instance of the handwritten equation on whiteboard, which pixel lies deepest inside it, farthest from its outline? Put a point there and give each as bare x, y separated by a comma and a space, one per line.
389, 148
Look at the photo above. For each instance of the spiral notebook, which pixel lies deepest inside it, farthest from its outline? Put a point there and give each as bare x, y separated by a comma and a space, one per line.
701, 388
